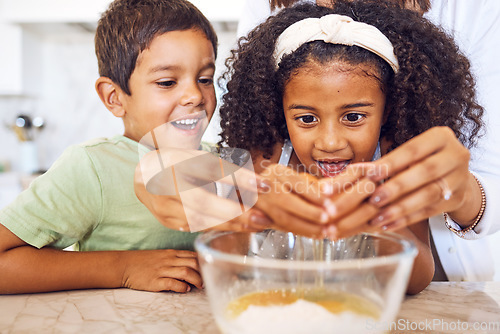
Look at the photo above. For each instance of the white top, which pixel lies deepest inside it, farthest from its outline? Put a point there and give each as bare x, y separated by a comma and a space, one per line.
475, 25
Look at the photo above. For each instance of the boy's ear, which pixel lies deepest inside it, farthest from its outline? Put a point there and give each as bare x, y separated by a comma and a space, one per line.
110, 93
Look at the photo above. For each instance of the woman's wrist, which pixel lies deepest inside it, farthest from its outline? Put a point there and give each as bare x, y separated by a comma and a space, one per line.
470, 212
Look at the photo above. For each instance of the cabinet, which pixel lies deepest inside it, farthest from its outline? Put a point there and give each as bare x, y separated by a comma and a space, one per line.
21, 49
20, 63
89, 11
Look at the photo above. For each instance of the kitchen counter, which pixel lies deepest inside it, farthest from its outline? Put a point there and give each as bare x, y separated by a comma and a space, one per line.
444, 307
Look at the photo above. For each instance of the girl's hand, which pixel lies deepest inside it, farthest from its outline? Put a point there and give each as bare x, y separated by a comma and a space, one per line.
423, 177
161, 270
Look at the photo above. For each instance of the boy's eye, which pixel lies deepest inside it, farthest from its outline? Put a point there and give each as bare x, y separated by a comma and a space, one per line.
354, 117
307, 119
168, 83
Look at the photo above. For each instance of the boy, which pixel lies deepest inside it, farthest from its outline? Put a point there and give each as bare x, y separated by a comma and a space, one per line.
156, 64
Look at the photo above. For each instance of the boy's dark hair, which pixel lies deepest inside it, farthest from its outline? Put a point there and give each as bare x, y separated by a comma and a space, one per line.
129, 26
433, 87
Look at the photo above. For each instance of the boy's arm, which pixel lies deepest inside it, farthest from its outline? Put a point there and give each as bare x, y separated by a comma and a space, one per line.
26, 269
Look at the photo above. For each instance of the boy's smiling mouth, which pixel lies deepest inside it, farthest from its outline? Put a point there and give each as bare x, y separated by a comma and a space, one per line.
186, 124
190, 121
331, 168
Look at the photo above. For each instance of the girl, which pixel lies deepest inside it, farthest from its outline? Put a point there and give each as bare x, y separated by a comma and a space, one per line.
475, 27
344, 89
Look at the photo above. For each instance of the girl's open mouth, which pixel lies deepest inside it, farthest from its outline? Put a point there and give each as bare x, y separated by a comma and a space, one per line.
331, 168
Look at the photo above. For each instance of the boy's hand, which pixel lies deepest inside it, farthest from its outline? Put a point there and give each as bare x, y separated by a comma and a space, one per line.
203, 207
162, 270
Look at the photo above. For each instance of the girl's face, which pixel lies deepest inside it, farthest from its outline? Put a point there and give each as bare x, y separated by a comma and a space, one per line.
333, 114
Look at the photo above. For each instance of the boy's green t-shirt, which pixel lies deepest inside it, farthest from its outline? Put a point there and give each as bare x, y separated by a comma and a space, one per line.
87, 198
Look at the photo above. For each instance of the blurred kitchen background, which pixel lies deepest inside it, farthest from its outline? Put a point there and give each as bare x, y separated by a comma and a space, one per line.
47, 73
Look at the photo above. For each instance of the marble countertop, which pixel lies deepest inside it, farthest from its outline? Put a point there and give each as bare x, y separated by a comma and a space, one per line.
444, 307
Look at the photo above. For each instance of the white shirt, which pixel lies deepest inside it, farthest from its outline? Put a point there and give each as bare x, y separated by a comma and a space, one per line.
475, 25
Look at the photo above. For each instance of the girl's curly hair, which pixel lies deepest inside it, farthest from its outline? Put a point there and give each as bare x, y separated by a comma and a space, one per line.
433, 87
424, 5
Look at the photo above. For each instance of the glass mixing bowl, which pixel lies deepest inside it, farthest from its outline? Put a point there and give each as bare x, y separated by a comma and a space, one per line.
277, 282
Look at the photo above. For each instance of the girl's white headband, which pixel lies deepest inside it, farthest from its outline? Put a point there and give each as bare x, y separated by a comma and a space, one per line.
335, 29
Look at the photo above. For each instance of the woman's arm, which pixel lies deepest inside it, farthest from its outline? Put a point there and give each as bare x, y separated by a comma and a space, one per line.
425, 176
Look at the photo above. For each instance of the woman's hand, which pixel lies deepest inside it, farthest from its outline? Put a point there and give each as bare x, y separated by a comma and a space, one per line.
423, 177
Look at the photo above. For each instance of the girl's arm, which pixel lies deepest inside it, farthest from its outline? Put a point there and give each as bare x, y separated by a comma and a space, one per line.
423, 266
26, 269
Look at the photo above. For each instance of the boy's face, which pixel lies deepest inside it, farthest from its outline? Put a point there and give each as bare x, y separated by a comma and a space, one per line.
172, 79
333, 114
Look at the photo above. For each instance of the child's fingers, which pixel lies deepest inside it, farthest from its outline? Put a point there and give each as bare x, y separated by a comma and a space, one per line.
191, 168
186, 254
211, 212
276, 204
185, 274
184, 269
210, 168
254, 220
171, 284
257, 220
290, 223
178, 258
365, 228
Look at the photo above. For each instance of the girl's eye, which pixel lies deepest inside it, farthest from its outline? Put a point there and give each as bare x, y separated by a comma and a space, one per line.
354, 117
206, 81
168, 83
307, 119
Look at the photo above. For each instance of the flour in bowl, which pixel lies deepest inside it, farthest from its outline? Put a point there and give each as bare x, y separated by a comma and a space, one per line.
284, 312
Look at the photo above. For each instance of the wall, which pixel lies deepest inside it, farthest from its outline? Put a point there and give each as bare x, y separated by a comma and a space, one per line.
67, 99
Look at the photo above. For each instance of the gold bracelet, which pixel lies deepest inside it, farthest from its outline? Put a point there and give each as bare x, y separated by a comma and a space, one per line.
461, 233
